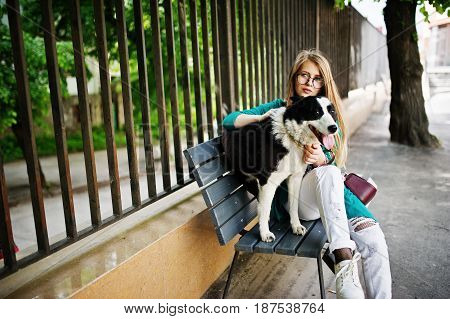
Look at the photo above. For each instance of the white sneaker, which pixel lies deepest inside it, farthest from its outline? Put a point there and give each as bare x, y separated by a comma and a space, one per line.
348, 285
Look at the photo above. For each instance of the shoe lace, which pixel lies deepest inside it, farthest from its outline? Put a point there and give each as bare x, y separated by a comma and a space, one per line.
348, 270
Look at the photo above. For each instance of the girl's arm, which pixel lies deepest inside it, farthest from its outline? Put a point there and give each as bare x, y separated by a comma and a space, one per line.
241, 118
244, 119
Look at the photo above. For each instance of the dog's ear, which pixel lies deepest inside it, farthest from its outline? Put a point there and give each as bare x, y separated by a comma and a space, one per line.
296, 98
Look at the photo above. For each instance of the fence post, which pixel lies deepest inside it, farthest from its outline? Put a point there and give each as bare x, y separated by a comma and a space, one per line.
226, 54
317, 24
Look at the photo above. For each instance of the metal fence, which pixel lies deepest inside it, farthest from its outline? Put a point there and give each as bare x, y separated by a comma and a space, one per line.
245, 54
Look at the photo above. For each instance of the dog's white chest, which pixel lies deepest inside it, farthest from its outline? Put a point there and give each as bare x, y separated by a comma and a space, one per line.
292, 163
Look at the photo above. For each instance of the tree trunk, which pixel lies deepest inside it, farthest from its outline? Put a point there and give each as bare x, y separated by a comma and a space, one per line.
409, 123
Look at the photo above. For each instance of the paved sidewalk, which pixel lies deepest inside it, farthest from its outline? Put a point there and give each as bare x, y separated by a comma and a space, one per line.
412, 205
17, 177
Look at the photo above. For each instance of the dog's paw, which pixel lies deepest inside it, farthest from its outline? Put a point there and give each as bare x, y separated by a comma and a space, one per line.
299, 229
268, 236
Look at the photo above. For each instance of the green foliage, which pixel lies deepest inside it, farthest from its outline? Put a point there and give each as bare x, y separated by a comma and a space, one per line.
441, 6
37, 76
36, 61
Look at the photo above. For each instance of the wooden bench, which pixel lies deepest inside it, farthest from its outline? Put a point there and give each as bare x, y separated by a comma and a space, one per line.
232, 208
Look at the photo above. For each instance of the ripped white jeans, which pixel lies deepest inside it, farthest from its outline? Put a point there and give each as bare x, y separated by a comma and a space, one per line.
322, 195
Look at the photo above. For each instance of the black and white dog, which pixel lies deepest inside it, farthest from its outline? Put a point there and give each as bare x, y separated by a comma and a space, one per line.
268, 152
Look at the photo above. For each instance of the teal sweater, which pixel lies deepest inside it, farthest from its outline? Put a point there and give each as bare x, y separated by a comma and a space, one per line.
353, 206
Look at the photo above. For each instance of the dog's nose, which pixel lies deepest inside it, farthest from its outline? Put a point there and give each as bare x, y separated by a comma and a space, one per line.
332, 129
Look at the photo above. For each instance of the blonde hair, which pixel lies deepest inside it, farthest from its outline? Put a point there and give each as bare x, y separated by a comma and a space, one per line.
329, 90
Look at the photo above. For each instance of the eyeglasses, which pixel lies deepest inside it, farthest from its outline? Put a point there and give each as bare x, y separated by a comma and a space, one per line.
304, 78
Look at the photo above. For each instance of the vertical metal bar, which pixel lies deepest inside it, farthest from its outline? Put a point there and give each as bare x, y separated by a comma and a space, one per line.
242, 31
320, 271
197, 79
24, 106
227, 285
297, 26
314, 23
255, 50
185, 73
235, 50
348, 24
288, 37
108, 119
206, 66
344, 52
271, 9
85, 114
317, 15
144, 94
267, 14
162, 121
284, 32
226, 60
261, 49
310, 26
278, 48
333, 48
216, 57
350, 44
340, 52
174, 91
58, 118
249, 32
127, 102
268, 33
294, 31
302, 25
6, 234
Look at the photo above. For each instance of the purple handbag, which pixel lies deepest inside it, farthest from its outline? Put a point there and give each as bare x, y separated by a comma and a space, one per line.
359, 186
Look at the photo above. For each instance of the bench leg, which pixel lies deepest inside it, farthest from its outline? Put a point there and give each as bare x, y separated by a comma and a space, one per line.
320, 270
227, 285
328, 260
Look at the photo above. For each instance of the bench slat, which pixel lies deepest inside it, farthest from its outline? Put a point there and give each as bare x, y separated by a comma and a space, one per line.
249, 240
237, 223
203, 152
314, 242
217, 191
290, 242
230, 206
209, 171
279, 230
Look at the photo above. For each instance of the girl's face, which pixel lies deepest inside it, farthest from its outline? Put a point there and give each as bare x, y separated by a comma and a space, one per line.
308, 80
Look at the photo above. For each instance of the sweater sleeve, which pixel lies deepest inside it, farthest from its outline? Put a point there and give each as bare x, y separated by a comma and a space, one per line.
228, 121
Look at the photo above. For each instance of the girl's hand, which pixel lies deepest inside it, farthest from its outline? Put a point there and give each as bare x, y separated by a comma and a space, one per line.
313, 154
266, 115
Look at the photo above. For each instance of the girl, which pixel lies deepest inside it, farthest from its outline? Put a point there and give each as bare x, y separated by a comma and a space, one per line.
353, 232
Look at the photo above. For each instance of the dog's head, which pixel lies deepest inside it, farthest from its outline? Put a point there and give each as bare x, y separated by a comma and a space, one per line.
311, 114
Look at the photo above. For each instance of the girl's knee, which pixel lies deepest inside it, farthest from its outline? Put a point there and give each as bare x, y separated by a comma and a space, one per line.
368, 236
359, 223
